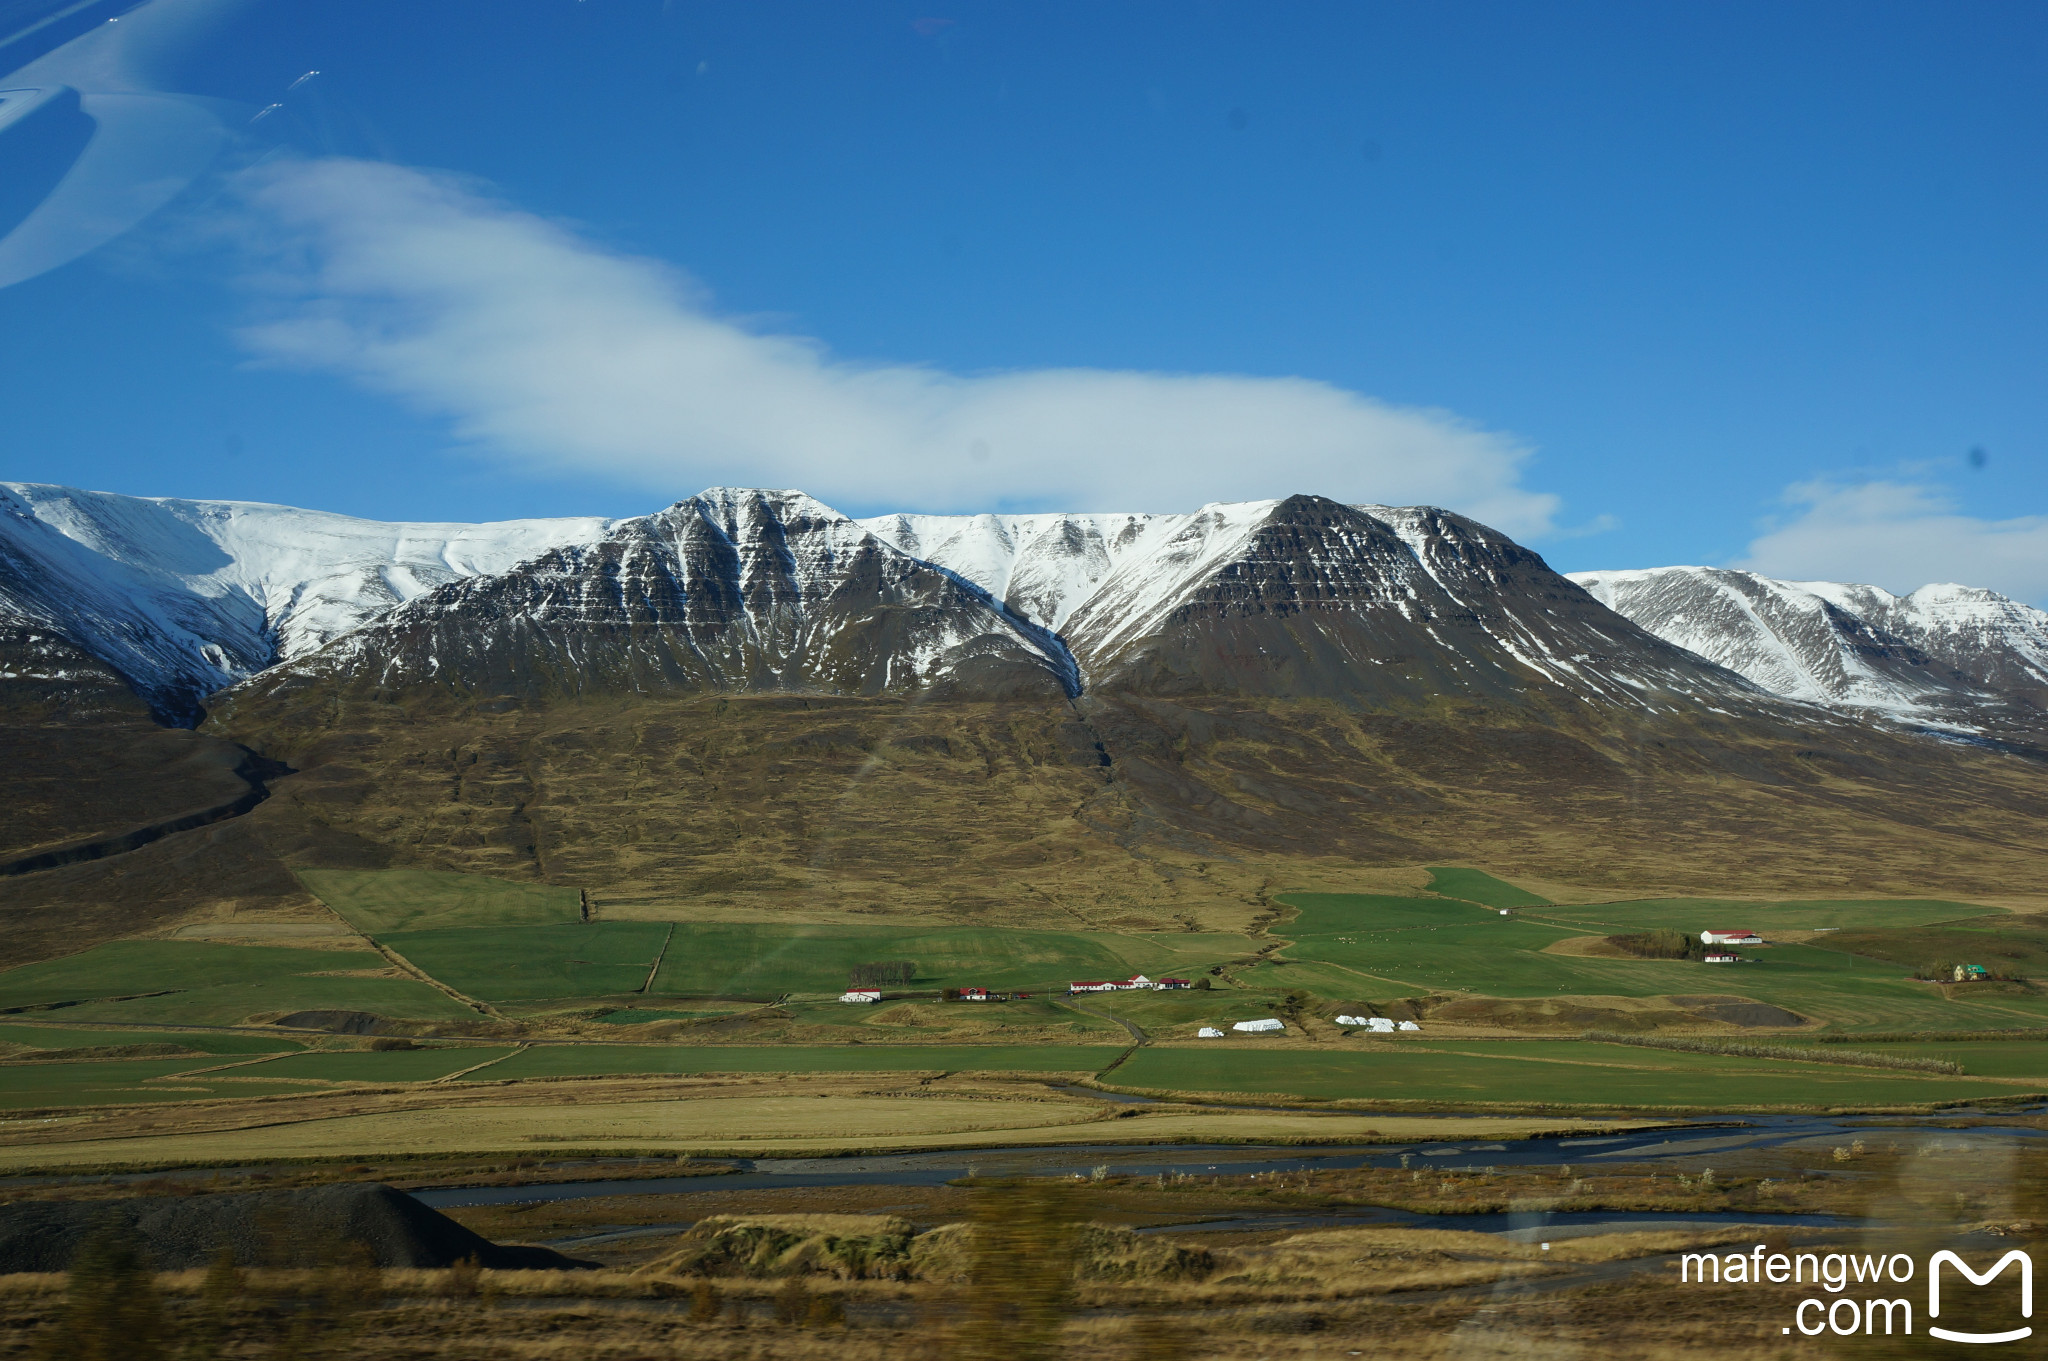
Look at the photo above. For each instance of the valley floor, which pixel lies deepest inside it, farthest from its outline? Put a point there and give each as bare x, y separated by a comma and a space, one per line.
1261, 1253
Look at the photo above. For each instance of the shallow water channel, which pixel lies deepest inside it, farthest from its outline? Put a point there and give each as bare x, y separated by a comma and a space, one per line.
1688, 1140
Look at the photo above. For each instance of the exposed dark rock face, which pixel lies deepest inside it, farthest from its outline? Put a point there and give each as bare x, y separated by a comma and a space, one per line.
262, 1228
45, 677
728, 591
1316, 599
747, 700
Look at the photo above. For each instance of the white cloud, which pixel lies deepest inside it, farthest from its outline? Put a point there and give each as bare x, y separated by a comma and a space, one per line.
1901, 535
538, 345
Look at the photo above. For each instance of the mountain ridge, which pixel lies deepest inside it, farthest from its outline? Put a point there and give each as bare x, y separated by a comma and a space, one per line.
1940, 655
748, 701
183, 599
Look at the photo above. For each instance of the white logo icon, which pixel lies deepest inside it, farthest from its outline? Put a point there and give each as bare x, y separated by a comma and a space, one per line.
2026, 1294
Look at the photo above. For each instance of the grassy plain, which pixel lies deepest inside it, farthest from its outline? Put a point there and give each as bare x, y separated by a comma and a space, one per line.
363, 1065
1476, 886
2006, 944
1391, 947
818, 1112
1698, 914
1022, 1020
2027, 1059
590, 1060
585, 959
39, 1037
648, 1015
1551, 1073
376, 901
121, 1082
758, 959
204, 983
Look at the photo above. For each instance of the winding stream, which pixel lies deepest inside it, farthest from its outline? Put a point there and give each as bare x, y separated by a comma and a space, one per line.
1689, 1140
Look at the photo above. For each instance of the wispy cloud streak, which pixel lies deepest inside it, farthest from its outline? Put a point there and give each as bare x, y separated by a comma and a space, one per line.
538, 345
1901, 535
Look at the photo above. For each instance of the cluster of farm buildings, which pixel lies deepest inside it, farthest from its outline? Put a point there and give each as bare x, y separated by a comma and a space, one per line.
1740, 936
1135, 983
1718, 943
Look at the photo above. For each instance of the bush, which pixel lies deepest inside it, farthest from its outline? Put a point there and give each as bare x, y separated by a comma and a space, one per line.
851, 1247
207, 1335
1661, 944
1854, 1058
792, 1302
111, 1309
464, 1278
887, 973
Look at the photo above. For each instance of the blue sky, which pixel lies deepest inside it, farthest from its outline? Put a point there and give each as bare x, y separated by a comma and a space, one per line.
1723, 283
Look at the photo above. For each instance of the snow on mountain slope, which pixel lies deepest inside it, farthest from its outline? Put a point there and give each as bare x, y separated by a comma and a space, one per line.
1043, 567
733, 589
1308, 597
1108, 583
1939, 651
1992, 639
1788, 639
185, 597
754, 589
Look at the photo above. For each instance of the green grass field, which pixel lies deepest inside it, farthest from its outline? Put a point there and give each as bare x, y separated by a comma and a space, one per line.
1559, 1072
363, 1065
203, 983
753, 959
1390, 947
1173, 1014
1999, 943
205, 1041
586, 959
1476, 886
893, 1022
126, 1082
376, 901
1693, 915
592, 1060
1980, 1058
643, 1015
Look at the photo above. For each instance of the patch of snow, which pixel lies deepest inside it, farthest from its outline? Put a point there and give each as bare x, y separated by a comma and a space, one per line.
185, 597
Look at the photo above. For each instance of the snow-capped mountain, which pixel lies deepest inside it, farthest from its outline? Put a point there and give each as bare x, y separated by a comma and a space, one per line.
1994, 640
1395, 598
742, 590
1938, 652
770, 590
733, 589
182, 598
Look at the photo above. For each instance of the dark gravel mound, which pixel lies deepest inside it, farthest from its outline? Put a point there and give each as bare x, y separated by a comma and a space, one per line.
264, 1228
340, 1022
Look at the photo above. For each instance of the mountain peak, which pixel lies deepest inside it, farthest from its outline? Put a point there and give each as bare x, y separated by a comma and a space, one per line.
1934, 655
769, 588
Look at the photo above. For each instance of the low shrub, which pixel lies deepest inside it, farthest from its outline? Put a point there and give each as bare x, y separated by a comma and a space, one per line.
1854, 1058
